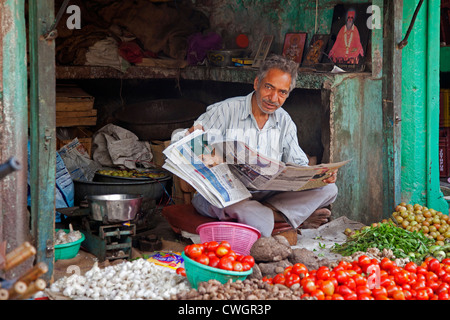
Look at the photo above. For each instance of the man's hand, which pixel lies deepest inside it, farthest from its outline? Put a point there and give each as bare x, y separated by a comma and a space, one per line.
332, 178
193, 128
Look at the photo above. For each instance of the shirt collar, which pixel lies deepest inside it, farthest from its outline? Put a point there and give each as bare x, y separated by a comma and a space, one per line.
247, 111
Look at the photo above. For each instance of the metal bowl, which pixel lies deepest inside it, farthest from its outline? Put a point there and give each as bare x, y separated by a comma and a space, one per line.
114, 208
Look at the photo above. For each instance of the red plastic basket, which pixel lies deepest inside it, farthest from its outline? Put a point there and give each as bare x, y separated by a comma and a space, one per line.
240, 236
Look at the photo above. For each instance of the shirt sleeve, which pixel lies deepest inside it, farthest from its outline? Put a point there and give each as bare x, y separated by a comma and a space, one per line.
292, 152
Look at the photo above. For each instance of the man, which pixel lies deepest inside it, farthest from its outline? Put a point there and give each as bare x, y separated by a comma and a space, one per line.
270, 130
347, 47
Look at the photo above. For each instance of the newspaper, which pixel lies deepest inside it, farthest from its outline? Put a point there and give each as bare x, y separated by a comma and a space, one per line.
223, 172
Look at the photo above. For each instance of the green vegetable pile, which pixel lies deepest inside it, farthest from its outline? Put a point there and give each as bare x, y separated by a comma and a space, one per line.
403, 243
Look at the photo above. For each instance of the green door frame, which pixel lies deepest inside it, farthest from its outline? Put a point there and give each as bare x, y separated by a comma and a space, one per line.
420, 107
42, 130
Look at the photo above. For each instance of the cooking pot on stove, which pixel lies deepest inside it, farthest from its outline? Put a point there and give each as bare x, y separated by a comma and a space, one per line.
114, 208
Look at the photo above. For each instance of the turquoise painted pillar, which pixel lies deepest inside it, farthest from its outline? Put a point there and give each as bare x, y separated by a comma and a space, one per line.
14, 222
420, 107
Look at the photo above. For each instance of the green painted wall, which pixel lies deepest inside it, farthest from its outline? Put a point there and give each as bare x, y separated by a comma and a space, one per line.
420, 108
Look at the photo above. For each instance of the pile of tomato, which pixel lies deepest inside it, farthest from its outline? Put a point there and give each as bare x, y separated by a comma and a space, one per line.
429, 280
218, 255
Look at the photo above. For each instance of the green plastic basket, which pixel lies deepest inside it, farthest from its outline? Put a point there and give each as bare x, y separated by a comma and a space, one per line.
68, 250
197, 272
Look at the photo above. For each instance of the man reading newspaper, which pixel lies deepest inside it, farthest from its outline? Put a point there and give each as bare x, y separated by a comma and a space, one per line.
259, 120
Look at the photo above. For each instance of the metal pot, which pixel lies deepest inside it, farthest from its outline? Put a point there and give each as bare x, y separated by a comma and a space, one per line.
114, 208
150, 189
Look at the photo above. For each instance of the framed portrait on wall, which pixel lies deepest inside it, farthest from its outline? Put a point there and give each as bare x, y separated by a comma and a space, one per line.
349, 36
314, 52
262, 52
294, 44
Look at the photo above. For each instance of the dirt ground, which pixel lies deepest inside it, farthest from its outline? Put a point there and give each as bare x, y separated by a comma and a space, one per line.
84, 260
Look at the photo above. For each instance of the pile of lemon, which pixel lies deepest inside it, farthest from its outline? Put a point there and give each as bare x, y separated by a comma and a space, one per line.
433, 224
132, 173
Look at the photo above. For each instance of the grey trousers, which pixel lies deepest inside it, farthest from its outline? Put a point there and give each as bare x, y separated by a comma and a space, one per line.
296, 207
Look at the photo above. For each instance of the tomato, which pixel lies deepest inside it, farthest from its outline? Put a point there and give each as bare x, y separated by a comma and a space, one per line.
446, 261
194, 251
411, 267
245, 266
443, 287
401, 277
422, 295
237, 266
363, 261
443, 296
318, 294
212, 246
341, 277
398, 295
344, 290
379, 291
203, 259
214, 262
181, 271
351, 283
421, 270
407, 294
226, 264
391, 289
287, 271
365, 297
299, 269
292, 279
222, 251
309, 286
431, 276
337, 296
279, 278
323, 273
225, 244
386, 264
381, 297
351, 296
249, 259
434, 265
327, 287
360, 280
419, 285
268, 280
386, 282
211, 254
362, 290
446, 278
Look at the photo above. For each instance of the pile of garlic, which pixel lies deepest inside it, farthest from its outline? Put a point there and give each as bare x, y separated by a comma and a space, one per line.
131, 280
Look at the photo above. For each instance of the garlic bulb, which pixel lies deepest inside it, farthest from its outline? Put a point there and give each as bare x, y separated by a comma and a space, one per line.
130, 280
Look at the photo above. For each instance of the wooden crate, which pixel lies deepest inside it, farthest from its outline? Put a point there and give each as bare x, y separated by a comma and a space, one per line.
83, 135
74, 107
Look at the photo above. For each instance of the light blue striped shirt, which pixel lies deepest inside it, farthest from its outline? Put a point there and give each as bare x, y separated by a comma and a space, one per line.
233, 119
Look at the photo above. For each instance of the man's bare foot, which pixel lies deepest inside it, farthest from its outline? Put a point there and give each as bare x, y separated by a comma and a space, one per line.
316, 219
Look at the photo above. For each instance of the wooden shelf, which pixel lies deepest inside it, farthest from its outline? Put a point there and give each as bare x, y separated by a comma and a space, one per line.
305, 80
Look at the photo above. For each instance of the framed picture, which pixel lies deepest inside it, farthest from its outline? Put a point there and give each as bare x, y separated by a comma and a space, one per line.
293, 46
262, 52
349, 36
315, 50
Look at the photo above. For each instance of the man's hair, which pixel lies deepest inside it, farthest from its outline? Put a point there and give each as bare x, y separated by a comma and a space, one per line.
284, 64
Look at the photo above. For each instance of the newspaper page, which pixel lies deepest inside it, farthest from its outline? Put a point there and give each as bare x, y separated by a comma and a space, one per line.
259, 172
190, 159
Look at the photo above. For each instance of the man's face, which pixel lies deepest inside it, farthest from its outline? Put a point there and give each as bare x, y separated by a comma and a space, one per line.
272, 91
350, 18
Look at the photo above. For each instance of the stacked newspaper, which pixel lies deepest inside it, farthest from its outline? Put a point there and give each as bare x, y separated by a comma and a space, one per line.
223, 172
